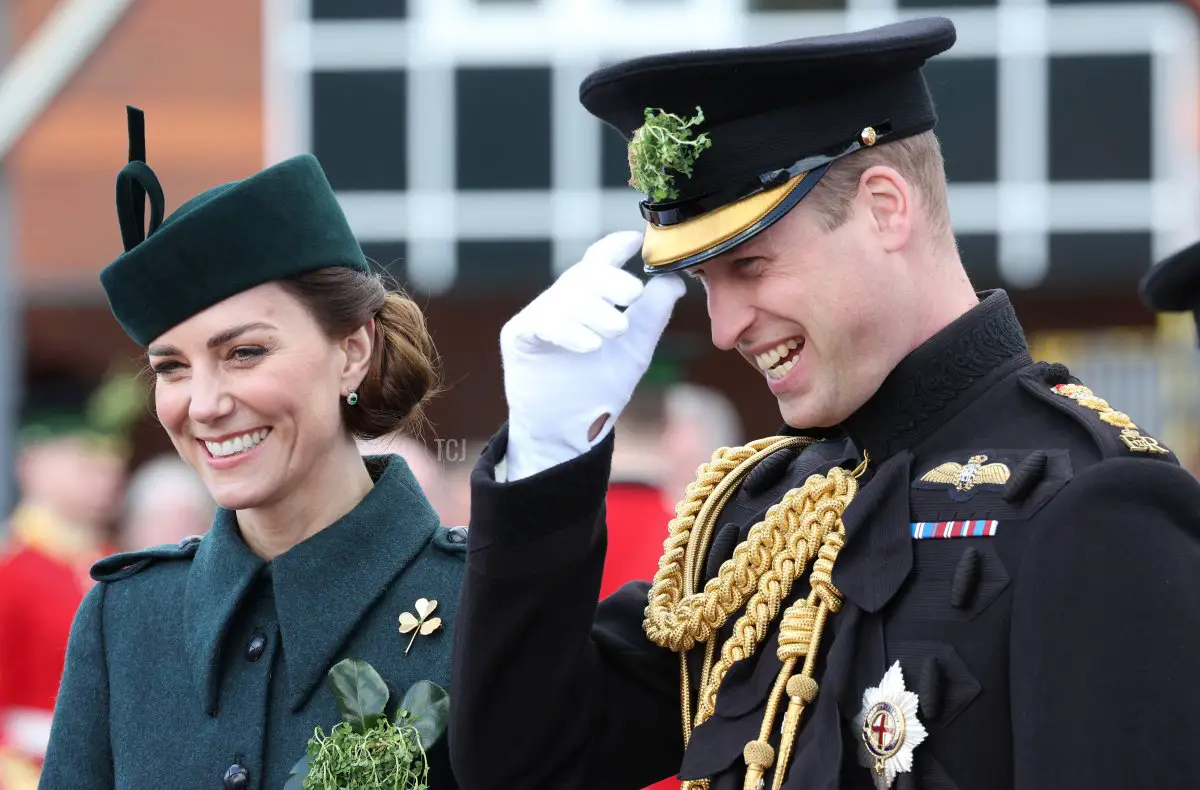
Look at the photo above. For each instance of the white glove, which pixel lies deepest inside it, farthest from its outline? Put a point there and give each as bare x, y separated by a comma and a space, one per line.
571, 356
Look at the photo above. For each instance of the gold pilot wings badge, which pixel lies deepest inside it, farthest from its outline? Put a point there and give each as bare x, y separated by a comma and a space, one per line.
889, 729
962, 479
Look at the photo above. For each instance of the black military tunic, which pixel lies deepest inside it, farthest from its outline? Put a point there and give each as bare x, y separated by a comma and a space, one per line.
1049, 624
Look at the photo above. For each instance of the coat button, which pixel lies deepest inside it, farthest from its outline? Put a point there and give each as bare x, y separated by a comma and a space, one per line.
457, 535
254, 650
236, 778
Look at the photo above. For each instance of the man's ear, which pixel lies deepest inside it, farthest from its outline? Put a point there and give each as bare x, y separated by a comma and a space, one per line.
888, 199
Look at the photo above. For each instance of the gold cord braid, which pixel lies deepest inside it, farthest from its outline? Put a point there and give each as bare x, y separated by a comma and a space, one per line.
677, 618
689, 534
800, 524
806, 524
800, 637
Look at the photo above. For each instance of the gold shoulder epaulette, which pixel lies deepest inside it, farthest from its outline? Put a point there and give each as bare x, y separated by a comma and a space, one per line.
1131, 435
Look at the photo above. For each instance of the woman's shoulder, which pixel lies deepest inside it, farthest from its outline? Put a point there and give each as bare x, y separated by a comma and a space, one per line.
162, 563
135, 588
443, 557
438, 565
451, 541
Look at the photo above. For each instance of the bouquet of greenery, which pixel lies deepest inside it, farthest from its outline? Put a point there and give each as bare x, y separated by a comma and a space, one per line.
367, 750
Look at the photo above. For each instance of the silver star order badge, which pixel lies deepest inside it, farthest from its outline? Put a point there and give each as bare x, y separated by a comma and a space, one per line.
888, 728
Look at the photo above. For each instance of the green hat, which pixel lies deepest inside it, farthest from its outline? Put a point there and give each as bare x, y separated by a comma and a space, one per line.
278, 223
63, 405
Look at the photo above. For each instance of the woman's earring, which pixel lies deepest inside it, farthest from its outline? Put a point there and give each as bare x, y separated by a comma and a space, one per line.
352, 398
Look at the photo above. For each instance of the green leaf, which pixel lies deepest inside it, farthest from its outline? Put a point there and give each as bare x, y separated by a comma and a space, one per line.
664, 143
296, 777
361, 693
428, 707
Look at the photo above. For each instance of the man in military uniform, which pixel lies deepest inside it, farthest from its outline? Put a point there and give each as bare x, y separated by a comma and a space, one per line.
1173, 284
953, 568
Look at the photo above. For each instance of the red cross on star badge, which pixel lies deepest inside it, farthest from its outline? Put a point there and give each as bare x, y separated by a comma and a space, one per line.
889, 729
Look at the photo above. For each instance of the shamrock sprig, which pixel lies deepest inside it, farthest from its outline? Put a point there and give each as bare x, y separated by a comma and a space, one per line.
664, 142
367, 749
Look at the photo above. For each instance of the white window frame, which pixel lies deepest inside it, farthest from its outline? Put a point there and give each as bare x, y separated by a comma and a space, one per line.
572, 37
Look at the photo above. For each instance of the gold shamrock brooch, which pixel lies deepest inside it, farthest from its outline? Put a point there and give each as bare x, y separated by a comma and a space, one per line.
424, 624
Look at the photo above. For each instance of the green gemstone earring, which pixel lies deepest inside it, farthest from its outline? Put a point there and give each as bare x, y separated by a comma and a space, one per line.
352, 398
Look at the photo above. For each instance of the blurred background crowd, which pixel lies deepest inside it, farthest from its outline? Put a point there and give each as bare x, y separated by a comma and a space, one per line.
452, 131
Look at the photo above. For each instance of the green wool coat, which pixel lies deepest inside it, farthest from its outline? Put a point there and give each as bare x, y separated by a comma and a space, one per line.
202, 666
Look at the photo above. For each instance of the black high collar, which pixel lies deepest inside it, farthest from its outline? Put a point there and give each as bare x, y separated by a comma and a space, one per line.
938, 379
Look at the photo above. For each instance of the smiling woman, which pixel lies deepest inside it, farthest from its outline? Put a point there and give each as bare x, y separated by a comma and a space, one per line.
274, 347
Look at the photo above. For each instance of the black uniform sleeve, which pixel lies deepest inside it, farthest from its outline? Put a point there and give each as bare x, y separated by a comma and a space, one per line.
79, 755
549, 689
1106, 633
